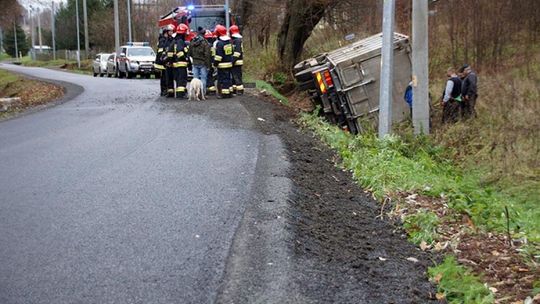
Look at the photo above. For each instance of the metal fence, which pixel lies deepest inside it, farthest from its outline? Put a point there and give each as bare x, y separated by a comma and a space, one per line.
68, 55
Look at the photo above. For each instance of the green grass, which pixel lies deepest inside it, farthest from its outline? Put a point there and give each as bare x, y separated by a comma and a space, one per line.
417, 165
4, 56
6, 78
458, 284
263, 85
422, 227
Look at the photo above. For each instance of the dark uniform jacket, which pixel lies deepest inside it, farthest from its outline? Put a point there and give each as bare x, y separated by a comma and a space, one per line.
224, 53
177, 53
238, 51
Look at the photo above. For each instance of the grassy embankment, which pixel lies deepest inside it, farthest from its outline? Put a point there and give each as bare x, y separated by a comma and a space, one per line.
31, 92
69, 65
478, 169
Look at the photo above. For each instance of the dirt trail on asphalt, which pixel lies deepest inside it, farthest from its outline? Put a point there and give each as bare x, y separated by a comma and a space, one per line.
346, 253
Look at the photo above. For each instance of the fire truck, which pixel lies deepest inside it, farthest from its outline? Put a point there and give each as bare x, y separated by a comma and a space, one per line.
195, 16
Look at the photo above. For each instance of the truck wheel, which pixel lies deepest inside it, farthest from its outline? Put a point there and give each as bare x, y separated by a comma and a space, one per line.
129, 75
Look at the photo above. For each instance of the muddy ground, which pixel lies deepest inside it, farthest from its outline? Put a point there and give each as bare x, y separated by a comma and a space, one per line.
353, 256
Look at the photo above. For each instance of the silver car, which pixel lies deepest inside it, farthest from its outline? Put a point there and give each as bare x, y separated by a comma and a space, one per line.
111, 65
99, 66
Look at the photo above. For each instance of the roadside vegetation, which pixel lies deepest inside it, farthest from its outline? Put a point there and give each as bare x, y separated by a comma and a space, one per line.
470, 190
68, 65
31, 92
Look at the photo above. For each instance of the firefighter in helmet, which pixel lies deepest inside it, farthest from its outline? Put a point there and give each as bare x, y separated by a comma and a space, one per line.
159, 64
167, 61
223, 60
210, 80
238, 60
178, 58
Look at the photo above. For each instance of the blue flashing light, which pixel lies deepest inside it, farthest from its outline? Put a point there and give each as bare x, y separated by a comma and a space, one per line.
191, 7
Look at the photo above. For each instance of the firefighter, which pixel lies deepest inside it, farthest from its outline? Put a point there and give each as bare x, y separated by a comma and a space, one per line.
210, 80
238, 60
167, 61
178, 59
223, 61
159, 64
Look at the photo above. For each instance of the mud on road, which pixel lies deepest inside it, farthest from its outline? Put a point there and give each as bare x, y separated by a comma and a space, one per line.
343, 253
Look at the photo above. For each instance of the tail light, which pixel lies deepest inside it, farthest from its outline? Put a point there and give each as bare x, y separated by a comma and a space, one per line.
328, 78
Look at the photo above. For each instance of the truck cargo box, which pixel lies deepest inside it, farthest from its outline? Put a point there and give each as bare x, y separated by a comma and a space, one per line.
355, 70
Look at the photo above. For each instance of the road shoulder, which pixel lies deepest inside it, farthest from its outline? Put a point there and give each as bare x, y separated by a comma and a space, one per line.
340, 251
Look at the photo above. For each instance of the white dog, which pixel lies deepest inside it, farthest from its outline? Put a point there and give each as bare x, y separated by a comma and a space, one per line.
196, 90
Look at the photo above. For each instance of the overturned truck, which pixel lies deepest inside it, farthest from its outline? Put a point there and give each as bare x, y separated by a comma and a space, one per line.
345, 82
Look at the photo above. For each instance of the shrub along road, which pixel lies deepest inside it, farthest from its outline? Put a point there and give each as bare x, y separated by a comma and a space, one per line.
121, 196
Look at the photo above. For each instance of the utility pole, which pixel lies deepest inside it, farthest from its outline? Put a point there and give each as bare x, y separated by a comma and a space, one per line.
78, 38
53, 30
420, 69
16, 44
227, 17
387, 69
130, 37
32, 30
39, 30
116, 27
85, 21
1, 40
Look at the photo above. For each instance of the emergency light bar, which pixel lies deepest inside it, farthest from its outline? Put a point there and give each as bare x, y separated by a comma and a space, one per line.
138, 44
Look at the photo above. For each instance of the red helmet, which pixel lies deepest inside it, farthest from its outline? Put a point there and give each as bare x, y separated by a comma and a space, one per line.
208, 35
234, 30
182, 29
221, 30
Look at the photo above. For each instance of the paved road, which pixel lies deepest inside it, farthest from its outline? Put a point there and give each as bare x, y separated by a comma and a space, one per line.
119, 196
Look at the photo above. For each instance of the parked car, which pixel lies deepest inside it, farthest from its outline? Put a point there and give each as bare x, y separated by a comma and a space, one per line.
111, 65
99, 66
135, 58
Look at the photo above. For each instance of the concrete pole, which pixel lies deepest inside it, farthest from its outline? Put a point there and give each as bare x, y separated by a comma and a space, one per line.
53, 31
32, 30
420, 69
39, 30
387, 69
15, 37
116, 27
78, 35
85, 21
227, 17
130, 37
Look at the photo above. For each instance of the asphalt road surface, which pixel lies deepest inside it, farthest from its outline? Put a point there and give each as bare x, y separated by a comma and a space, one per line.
120, 196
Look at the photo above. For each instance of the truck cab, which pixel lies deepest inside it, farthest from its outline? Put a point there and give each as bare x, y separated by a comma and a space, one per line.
195, 16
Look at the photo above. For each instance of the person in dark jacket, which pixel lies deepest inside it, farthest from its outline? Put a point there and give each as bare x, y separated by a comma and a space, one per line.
211, 79
451, 97
159, 64
469, 91
199, 52
177, 57
224, 62
238, 61
408, 96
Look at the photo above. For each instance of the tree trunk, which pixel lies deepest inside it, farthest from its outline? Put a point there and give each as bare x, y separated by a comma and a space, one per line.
301, 18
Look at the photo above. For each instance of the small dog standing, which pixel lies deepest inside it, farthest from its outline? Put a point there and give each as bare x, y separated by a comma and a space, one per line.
196, 90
